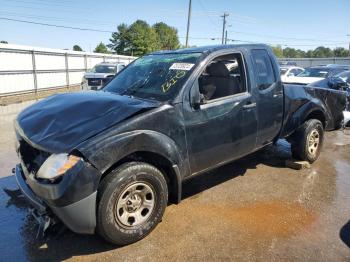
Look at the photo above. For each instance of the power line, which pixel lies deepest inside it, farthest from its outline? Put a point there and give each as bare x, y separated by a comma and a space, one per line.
280, 37
53, 25
196, 38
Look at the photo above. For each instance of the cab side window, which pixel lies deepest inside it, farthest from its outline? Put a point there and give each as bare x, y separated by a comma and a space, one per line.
224, 76
265, 76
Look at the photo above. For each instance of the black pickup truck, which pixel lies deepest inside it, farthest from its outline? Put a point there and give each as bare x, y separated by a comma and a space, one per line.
110, 161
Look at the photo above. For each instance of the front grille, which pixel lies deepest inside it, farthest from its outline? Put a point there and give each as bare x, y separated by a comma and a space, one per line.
31, 157
94, 81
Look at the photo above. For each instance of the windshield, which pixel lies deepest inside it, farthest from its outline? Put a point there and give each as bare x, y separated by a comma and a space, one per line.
315, 72
157, 77
104, 69
345, 76
283, 71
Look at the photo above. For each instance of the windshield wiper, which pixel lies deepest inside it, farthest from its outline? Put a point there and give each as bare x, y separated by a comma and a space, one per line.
135, 87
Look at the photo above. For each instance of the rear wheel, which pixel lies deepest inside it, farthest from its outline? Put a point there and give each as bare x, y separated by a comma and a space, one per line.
132, 200
307, 141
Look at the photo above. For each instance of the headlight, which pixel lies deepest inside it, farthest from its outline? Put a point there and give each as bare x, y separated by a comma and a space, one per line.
57, 165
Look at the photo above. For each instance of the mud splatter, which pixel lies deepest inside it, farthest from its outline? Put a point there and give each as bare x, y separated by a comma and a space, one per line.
272, 219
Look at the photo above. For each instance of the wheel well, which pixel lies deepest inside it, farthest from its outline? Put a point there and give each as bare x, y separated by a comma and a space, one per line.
317, 115
160, 162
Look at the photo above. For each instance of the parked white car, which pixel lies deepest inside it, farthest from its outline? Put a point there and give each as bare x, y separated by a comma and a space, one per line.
315, 73
290, 71
100, 75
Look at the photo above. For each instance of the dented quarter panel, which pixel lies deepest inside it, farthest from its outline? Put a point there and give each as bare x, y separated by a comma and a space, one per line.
301, 101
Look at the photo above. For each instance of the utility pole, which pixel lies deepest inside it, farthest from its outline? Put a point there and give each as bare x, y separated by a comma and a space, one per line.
188, 21
226, 34
223, 26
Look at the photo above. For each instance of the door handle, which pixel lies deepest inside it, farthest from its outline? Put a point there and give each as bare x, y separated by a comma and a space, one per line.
278, 94
249, 105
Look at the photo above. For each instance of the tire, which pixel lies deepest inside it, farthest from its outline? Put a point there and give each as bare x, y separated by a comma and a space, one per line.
131, 202
302, 146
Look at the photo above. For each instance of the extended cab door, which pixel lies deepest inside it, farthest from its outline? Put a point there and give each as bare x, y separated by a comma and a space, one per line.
224, 126
269, 95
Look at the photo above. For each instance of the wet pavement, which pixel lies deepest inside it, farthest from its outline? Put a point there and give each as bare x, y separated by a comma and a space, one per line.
254, 209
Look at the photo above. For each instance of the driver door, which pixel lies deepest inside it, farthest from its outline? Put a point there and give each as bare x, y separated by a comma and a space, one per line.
222, 129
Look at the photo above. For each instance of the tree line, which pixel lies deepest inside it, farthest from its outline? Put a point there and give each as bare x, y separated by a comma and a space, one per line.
318, 52
138, 39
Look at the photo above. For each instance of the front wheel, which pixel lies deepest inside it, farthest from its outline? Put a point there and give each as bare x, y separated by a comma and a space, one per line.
307, 141
132, 200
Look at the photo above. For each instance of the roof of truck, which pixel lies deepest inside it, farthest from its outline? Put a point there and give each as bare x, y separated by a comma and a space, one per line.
209, 49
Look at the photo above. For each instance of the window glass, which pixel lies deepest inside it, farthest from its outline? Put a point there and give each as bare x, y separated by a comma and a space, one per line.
315, 72
224, 76
103, 69
156, 76
283, 71
263, 69
298, 71
121, 67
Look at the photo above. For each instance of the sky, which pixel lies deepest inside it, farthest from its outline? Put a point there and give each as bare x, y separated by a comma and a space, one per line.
303, 24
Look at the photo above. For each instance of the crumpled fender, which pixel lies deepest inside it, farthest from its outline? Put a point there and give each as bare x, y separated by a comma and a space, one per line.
108, 150
297, 118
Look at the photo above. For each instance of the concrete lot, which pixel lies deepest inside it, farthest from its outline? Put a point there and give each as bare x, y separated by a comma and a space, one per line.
251, 210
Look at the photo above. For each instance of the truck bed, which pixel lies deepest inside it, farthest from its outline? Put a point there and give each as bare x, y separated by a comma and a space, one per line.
301, 101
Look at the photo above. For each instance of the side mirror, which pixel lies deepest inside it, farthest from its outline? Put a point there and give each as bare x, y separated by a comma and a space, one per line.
195, 97
290, 74
337, 83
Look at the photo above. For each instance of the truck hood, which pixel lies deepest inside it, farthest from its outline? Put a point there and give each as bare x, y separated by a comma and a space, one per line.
61, 122
97, 75
302, 80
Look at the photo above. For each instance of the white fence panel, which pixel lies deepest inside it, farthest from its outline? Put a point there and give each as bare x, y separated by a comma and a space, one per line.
50, 62
15, 61
51, 67
76, 62
16, 83
48, 80
306, 62
75, 77
92, 61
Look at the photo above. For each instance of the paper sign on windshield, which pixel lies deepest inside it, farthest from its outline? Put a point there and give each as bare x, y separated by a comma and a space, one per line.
181, 66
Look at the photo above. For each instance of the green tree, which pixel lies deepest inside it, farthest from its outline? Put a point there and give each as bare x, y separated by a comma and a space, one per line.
290, 52
309, 54
167, 36
278, 51
101, 48
3, 42
341, 52
120, 40
143, 38
140, 38
322, 51
77, 48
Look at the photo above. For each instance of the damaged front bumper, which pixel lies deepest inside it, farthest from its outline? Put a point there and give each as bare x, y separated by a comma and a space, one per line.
58, 201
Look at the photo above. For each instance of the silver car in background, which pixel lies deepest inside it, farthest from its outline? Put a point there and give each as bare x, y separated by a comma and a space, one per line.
100, 75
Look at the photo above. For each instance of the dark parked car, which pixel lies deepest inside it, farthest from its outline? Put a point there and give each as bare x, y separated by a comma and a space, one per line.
113, 166
339, 82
